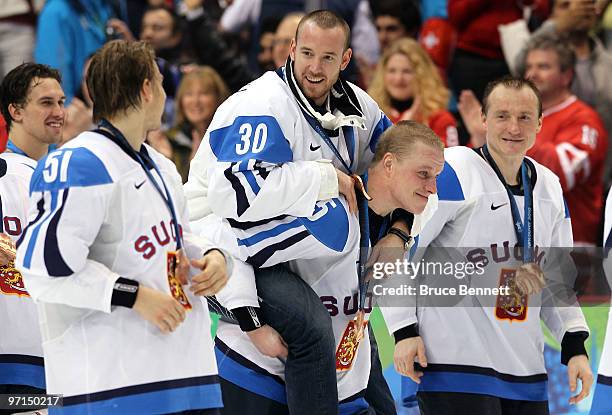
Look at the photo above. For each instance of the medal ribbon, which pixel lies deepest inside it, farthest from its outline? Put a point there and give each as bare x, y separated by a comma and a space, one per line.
523, 230
140, 158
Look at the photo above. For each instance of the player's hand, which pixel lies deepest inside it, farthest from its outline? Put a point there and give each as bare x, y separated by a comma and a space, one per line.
389, 249
346, 187
530, 279
404, 354
7, 249
268, 342
578, 368
159, 309
213, 276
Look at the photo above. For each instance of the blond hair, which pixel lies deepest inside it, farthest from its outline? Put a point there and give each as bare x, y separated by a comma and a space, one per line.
400, 139
428, 85
211, 82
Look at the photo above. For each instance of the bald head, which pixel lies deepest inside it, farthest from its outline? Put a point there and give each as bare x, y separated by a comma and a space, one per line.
282, 38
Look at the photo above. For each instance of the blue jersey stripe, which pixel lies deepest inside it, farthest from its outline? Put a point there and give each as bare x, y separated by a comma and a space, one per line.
357, 406
249, 379
156, 402
56, 266
602, 399
483, 384
449, 187
271, 233
248, 174
379, 129
22, 374
27, 260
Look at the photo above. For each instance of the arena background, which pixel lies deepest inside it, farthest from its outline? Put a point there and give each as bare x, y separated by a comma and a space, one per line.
597, 317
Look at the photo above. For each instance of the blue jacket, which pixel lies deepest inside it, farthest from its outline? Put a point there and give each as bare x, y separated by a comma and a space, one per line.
69, 31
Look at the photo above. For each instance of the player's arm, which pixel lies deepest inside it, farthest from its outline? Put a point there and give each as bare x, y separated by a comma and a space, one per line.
577, 148
252, 174
71, 192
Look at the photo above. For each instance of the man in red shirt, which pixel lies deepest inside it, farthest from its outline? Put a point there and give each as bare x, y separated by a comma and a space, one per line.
573, 141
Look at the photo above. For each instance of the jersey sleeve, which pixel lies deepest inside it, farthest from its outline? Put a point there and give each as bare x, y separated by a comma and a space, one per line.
576, 150
251, 172
70, 191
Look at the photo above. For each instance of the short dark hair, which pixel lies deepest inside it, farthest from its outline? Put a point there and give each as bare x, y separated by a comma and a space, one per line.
177, 23
326, 19
116, 74
510, 82
400, 139
406, 11
559, 45
18, 83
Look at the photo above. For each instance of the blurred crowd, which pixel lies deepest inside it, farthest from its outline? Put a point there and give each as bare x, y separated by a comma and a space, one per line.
423, 60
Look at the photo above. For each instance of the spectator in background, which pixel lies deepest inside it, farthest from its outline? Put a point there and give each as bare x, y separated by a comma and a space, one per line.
478, 57
285, 32
395, 19
209, 47
573, 141
161, 28
69, 31
407, 86
199, 94
573, 21
265, 56
17, 33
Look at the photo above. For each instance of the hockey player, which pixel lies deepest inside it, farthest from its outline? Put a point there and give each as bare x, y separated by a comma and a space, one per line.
105, 256
266, 158
408, 158
487, 356
573, 141
32, 102
602, 398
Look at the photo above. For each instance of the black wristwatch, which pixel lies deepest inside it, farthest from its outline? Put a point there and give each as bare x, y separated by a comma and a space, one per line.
402, 235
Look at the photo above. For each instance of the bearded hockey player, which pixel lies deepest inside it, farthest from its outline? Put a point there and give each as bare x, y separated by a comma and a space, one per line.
407, 160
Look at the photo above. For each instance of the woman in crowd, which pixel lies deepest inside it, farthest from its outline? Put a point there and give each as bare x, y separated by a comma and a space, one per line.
408, 86
199, 94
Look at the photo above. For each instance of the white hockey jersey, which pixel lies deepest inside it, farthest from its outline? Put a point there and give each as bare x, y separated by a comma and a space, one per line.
96, 217
21, 355
323, 250
261, 165
483, 346
602, 398
332, 273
